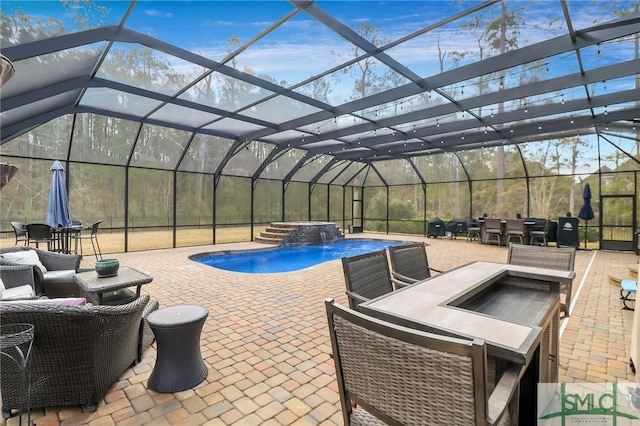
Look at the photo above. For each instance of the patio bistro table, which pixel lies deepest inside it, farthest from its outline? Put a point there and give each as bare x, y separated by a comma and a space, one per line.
179, 365
111, 290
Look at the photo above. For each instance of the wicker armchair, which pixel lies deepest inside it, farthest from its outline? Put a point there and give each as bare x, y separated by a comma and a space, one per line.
409, 264
395, 375
562, 259
52, 286
78, 352
367, 276
18, 282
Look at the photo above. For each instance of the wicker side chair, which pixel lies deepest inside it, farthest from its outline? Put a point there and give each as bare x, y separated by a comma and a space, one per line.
389, 374
20, 232
52, 286
562, 259
78, 352
367, 276
409, 264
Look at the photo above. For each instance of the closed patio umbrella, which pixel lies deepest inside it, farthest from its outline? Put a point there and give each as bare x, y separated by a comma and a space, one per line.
586, 212
58, 215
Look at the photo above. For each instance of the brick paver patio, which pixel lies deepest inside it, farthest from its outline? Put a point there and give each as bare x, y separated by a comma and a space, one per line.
266, 340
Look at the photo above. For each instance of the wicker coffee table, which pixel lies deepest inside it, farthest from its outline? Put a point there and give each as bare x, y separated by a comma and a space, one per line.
179, 364
111, 290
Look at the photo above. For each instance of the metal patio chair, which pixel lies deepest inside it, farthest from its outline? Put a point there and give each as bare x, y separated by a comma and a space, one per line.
410, 264
92, 236
39, 233
539, 233
515, 229
562, 259
367, 276
20, 232
493, 227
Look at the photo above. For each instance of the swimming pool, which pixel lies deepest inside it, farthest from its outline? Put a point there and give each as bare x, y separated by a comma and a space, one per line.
287, 259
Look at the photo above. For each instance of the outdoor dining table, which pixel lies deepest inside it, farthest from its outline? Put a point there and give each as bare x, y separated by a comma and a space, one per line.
514, 309
504, 239
62, 237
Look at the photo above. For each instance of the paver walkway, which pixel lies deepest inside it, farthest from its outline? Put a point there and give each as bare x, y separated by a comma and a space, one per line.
266, 340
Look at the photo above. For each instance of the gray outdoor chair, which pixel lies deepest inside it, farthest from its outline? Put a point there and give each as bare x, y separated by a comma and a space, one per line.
392, 375
493, 228
473, 231
20, 232
409, 264
562, 259
367, 276
539, 233
91, 234
515, 229
39, 233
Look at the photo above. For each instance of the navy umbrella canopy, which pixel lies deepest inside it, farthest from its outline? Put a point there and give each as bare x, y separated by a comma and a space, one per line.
586, 212
58, 215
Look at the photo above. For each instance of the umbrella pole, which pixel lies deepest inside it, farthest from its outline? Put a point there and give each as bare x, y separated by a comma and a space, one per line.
585, 233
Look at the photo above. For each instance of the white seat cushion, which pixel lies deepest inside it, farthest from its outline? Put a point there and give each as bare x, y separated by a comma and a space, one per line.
25, 257
57, 275
17, 293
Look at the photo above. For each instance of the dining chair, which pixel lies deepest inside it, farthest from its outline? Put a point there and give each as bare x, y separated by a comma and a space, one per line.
367, 276
90, 233
539, 232
20, 232
410, 264
493, 228
391, 375
558, 258
39, 233
515, 229
473, 231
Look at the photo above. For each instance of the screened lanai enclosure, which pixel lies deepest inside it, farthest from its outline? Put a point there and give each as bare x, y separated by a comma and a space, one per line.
220, 117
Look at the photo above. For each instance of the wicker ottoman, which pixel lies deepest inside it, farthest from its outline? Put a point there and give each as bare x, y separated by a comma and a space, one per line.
179, 365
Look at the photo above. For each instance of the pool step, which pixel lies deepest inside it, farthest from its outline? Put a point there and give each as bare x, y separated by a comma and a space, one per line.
299, 233
275, 233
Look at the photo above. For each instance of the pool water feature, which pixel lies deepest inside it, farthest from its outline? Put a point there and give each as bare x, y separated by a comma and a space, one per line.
287, 259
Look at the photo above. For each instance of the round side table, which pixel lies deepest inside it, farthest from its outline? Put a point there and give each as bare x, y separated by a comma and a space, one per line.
16, 341
179, 365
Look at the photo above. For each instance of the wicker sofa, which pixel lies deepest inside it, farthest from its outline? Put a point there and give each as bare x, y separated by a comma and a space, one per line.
78, 352
50, 284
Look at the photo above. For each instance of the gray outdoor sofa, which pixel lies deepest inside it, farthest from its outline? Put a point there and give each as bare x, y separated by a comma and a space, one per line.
78, 352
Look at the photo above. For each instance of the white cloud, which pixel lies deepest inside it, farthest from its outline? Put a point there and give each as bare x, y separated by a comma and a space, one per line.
157, 14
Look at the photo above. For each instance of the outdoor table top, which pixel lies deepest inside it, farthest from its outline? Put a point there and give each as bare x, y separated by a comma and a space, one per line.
439, 303
127, 277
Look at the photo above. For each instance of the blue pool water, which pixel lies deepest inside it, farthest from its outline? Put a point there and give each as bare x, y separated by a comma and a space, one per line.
287, 259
